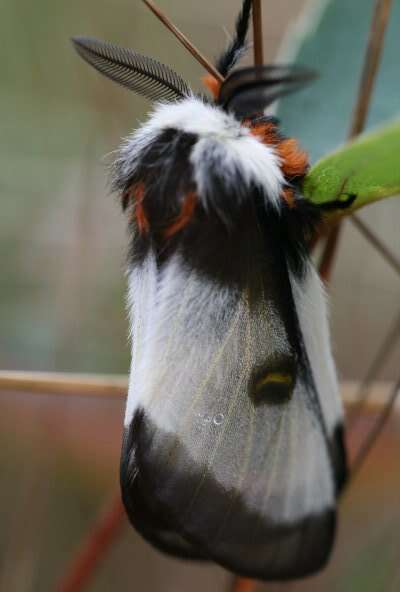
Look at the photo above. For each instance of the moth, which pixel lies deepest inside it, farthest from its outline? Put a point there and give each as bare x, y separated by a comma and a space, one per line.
233, 436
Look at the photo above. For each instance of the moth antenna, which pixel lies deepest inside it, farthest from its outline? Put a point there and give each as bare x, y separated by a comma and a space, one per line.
237, 47
258, 33
143, 75
184, 40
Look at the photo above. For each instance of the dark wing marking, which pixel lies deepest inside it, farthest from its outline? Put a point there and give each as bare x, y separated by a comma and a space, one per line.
143, 75
251, 90
143, 511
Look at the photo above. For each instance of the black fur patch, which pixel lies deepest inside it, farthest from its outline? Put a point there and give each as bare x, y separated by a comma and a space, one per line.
215, 232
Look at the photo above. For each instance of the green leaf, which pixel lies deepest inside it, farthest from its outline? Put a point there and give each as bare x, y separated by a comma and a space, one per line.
331, 38
369, 168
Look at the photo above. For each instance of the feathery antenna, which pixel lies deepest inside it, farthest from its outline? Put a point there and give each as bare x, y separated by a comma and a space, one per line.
185, 41
258, 33
143, 75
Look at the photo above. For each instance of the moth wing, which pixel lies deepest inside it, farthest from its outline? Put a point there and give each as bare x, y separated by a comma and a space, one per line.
251, 90
250, 483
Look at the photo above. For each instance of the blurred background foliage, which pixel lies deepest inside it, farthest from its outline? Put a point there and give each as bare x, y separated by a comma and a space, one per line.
62, 257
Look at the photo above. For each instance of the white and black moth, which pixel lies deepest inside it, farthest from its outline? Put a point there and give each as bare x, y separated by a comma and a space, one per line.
233, 444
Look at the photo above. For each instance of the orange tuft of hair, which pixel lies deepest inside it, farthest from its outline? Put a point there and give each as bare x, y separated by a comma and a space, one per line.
213, 85
137, 193
294, 160
267, 132
288, 196
186, 214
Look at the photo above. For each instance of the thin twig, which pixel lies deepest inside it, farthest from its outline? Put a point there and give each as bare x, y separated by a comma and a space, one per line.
372, 58
258, 33
81, 385
93, 549
373, 55
375, 432
243, 585
328, 255
394, 334
64, 383
184, 40
377, 243
365, 389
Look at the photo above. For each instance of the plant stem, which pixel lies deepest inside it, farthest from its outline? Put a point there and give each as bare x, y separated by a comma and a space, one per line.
258, 33
93, 548
243, 585
365, 389
372, 59
64, 383
184, 40
375, 241
375, 432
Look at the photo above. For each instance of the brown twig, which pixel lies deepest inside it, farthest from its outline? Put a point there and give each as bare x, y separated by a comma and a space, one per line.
328, 255
375, 432
64, 383
243, 585
372, 58
54, 383
373, 55
184, 40
258, 33
393, 335
377, 243
366, 386
93, 549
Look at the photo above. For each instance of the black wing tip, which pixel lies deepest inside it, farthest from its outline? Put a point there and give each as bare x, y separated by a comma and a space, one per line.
146, 518
280, 552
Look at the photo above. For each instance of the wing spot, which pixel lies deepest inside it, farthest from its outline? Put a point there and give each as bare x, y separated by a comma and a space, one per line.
274, 385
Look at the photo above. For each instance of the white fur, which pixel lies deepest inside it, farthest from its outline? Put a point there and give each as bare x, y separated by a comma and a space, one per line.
223, 143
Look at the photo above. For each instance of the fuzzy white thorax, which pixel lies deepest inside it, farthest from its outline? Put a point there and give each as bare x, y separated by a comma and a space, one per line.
222, 143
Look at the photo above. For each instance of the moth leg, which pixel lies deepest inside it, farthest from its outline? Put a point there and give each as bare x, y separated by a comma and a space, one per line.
339, 204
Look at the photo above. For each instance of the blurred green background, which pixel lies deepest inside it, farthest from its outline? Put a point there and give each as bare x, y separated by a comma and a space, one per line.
62, 257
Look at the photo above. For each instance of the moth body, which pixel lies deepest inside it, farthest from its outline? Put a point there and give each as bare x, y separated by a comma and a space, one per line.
233, 412
233, 446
